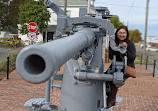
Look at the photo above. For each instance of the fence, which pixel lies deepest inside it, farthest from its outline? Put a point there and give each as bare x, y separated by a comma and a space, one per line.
7, 65
153, 65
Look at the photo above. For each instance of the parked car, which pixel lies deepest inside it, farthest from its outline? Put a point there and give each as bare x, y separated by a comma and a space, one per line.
147, 46
152, 49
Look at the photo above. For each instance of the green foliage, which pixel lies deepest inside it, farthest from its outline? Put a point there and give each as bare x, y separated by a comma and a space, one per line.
9, 13
3, 65
10, 43
12, 60
116, 22
138, 61
33, 11
135, 36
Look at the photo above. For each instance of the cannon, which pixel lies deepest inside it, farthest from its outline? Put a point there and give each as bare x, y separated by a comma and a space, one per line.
37, 64
83, 82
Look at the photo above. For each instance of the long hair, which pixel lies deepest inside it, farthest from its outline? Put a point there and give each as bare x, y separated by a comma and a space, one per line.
117, 39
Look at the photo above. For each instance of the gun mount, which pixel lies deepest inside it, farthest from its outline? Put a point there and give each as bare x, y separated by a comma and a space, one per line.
83, 87
37, 64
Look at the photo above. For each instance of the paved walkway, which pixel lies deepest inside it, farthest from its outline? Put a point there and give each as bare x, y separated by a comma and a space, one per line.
151, 68
140, 94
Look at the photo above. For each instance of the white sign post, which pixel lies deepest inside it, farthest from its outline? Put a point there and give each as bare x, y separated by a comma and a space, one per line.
31, 36
32, 28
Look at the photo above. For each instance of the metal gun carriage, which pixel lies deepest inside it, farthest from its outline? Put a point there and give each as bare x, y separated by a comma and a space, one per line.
83, 86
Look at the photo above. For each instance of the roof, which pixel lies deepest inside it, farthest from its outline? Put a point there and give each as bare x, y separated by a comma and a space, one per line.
50, 28
71, 2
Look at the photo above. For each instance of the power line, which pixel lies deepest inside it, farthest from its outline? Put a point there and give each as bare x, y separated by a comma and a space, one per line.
107, 4
121, 5
130, 9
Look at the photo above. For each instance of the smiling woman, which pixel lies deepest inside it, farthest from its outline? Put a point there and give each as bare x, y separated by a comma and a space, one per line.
122, 34
121, 37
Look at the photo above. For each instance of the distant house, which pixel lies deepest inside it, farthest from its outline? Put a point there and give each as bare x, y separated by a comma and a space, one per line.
72, 11
4, 34
8, 33
152, 39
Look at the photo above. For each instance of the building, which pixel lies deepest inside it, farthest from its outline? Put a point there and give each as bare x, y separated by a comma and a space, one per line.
9, 33
72, 11
153, 41
4, 34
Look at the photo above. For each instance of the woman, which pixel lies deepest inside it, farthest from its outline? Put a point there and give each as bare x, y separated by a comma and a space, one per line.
121, 37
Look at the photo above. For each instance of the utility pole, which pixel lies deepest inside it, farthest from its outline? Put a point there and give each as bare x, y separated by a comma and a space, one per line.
89, 5
65, 6
146, 27
0, 27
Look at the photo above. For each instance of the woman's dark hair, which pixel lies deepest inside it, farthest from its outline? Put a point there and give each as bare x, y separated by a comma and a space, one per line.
117, 39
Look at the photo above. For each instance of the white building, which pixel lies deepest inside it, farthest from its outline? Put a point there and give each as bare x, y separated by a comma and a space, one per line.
152, 39
72, 11
4, 34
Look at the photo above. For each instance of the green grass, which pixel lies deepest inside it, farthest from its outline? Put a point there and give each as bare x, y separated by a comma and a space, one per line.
3, 65
3, 43
138, 61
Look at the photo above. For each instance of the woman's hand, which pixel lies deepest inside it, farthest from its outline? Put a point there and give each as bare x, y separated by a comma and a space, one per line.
124, 44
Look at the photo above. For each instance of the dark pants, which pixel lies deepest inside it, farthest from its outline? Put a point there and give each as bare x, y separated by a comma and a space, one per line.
111, 96
111, 99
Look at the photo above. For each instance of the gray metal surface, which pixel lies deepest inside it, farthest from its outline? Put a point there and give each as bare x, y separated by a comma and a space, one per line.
83, 83
82, 12
37, 63
93, 76
56, 9
63, 22
37, 102
80, 95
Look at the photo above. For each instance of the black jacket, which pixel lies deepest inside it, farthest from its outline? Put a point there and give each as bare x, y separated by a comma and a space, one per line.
131, 54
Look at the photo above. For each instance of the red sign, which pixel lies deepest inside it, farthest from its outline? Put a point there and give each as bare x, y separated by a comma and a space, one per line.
31, 36
32, 27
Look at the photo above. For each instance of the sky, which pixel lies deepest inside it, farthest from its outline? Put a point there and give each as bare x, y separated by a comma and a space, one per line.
132, 13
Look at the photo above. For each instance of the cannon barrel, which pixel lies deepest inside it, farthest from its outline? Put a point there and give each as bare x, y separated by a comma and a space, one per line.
37, 63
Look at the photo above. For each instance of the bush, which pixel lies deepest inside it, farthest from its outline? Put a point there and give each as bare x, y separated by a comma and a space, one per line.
10, 43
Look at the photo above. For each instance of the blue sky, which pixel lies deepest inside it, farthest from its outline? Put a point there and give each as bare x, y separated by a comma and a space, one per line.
132, 12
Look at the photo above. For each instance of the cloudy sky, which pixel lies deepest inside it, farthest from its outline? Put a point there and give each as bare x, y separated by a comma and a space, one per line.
132, 12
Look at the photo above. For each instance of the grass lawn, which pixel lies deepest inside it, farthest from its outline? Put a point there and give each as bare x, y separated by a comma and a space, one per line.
3, 65
138, 61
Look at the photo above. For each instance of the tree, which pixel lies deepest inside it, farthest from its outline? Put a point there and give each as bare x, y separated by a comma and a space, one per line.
9, 13
33, 11
3, 12
135, 35
116, 22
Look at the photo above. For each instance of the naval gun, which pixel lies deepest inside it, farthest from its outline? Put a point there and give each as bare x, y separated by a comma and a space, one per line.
83, 82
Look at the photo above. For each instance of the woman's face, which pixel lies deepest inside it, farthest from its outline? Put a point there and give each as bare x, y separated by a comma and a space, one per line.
122, 34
